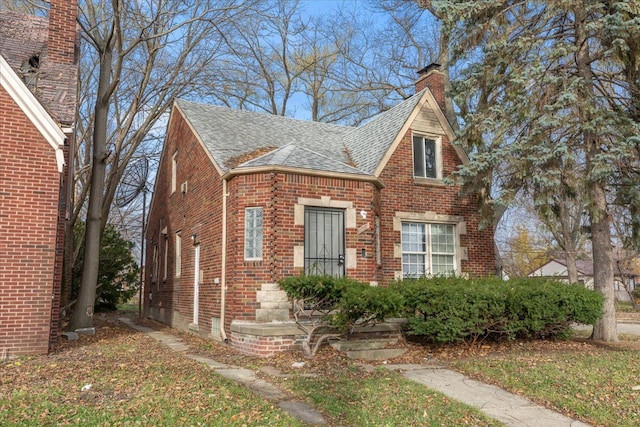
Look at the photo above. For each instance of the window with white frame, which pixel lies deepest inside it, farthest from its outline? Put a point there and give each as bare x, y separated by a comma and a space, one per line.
174, 172
154, 270
166, 258
428, 249
178, 261
253, 233
427, 161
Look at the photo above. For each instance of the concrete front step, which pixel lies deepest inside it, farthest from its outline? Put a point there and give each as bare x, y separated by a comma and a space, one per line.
373, 344
376, 354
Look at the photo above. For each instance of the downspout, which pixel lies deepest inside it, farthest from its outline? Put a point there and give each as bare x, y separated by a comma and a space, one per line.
223, 273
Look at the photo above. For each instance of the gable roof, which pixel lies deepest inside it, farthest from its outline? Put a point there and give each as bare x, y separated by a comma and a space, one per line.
33, 110
371, 141
239, 141
229, 134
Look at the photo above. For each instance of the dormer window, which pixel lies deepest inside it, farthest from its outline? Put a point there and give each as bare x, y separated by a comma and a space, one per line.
427, 158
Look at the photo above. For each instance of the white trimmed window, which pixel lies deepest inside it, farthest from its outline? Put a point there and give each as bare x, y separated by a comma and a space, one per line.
428, 249
253, 234
154, 270
174, 172
166, 258
178, 260
427, 157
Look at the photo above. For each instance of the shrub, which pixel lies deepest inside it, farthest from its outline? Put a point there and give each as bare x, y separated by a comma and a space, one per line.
344, 303
453, 309
363, 304
118, 272
339, 303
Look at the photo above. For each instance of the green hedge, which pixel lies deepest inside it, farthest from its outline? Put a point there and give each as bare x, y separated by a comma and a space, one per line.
452, 309
346, 302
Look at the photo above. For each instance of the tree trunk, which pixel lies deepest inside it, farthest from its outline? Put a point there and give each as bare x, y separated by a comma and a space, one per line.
572, 269
83, 312
605, 329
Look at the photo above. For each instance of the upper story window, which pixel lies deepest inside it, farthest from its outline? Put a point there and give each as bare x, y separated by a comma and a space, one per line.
427, 157
428, 249
253, 233
174, 172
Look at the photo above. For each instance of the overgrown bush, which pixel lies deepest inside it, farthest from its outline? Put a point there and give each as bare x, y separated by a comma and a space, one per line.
364, 304
453, 309
327, 307
344, 303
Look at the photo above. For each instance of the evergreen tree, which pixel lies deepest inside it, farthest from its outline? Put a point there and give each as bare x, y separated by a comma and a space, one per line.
550, 84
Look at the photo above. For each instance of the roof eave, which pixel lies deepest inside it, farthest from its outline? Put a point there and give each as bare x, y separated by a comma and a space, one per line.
302, 171
34, 110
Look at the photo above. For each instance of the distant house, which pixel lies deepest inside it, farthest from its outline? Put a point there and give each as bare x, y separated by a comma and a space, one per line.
38, 85
243, 199
557, 268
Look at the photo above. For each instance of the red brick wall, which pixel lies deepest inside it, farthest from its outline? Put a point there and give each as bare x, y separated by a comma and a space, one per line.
277, 193
199, 213
403, 193
61, 44
434, 80
30, 186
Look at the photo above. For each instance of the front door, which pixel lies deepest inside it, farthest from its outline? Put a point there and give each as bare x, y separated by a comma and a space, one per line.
324, 241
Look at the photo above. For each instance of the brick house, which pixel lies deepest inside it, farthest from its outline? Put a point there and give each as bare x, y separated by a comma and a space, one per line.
38, 86
243, 199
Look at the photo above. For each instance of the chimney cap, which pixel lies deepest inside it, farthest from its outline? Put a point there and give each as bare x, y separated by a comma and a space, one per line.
429, 68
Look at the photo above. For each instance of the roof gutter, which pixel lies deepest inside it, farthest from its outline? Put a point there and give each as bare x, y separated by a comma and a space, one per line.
300, 171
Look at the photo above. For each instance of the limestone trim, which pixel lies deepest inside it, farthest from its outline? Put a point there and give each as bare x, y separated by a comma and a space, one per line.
351, 258
274, 303
430, 217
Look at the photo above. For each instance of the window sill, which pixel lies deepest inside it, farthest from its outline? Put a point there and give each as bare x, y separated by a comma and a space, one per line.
429, 181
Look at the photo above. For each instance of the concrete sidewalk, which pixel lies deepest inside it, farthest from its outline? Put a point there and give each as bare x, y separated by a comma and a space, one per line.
511, 409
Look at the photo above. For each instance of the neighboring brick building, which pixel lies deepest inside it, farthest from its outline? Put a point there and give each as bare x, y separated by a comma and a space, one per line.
38, 86
243, 199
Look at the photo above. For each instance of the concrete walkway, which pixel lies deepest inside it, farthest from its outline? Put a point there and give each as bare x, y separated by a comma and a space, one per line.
246, 377
508, 408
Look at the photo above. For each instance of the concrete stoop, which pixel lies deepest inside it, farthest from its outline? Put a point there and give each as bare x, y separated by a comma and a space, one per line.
373, 349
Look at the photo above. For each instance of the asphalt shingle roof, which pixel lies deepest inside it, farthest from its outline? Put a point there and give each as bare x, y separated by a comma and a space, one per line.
231, 134
369, 142
300, 157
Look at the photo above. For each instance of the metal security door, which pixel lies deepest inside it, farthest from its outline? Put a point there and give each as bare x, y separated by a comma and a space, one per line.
324, 242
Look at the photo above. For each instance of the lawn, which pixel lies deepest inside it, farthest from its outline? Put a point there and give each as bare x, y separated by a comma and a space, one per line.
121, 377
599, 385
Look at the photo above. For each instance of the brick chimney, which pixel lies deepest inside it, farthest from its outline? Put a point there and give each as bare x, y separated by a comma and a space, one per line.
432, 77
61, 43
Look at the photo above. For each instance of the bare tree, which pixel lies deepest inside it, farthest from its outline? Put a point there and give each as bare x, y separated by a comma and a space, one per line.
138, 57
341, 67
